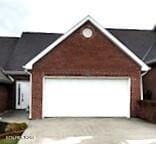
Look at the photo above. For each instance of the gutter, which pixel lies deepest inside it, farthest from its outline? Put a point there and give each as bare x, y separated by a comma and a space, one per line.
144, 73
15, 72
8, 79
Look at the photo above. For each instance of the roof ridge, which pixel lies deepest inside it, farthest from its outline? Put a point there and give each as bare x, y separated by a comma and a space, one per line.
148, 51
129, 29
28, 32
9, 37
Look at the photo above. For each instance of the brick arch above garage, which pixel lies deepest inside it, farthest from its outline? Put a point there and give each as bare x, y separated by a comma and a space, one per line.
77, 54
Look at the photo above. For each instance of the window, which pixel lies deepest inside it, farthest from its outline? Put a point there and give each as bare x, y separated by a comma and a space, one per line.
87, 32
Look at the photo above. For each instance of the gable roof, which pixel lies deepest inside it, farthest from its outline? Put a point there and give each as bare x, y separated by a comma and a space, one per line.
7, 46
29, 45
144, 67
141, 42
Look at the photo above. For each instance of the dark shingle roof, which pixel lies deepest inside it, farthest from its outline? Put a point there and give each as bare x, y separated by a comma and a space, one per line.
7, 45
141, 42
29, 45
151, 56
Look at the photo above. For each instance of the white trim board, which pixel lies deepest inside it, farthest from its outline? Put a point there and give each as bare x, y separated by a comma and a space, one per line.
144, 67
86, 77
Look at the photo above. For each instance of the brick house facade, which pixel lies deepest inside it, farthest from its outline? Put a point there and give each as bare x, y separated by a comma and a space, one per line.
78, 56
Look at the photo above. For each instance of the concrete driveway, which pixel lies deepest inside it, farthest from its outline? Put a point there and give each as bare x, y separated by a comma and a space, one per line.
89, 131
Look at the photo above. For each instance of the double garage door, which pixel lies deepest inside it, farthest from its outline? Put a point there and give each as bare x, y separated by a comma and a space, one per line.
86, 97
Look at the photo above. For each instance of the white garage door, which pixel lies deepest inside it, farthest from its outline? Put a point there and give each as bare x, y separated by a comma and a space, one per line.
81, 97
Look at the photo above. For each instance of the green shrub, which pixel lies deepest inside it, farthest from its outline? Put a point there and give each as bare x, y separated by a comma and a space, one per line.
4, 141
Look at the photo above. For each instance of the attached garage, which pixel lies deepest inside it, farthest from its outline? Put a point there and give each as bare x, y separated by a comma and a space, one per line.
86, 97
86, 72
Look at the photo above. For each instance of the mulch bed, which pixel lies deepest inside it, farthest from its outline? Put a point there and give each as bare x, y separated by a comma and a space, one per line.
2, 127
11, 129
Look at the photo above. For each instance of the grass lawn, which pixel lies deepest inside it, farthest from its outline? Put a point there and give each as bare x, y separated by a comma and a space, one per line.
11, 129
4, 141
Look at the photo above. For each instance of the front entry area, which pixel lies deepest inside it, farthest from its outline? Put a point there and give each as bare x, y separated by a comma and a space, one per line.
22, 94
86, 97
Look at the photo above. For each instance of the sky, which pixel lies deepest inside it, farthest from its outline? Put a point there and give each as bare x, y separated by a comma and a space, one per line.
17, 16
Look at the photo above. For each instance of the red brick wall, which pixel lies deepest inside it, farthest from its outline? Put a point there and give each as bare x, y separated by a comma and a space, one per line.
78, 56
147, 110
149, 82
4, 98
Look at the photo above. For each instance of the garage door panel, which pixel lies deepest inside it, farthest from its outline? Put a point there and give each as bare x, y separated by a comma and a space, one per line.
86, 97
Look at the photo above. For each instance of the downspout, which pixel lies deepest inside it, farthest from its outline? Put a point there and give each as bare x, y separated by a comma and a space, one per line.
30, 94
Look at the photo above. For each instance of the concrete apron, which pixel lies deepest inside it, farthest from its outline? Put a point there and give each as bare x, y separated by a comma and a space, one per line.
89, 131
